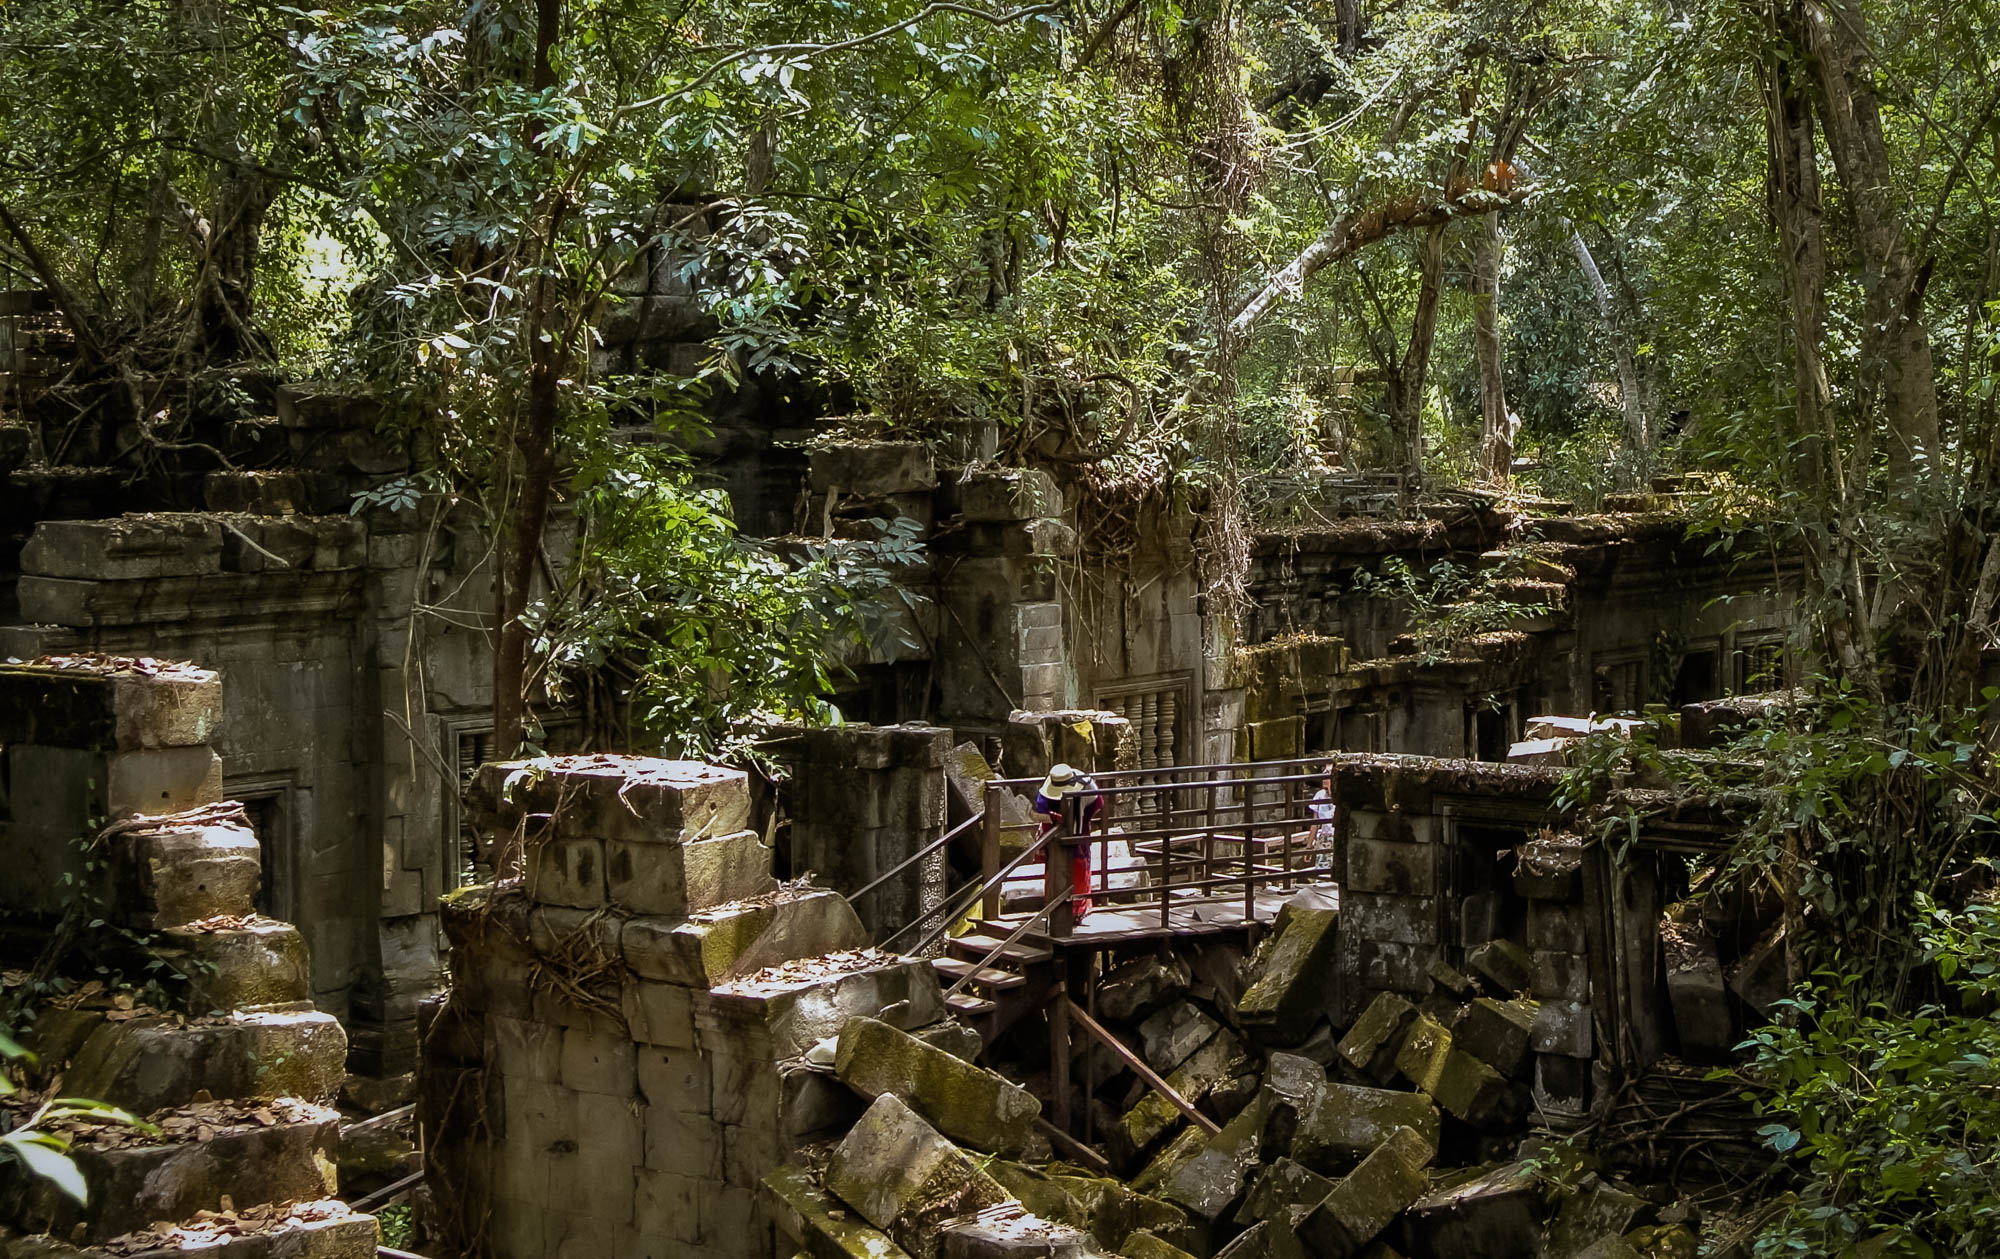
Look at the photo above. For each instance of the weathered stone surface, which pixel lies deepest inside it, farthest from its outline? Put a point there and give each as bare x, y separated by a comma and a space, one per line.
133, 1185
1472, 1091
170, 874
1264, 1240
155, 545
567, 871
1007, 494
1293, 1087
636, 799
1563, 1027
1762, 975
674, 879
1699, 997
1144, 1245
1368, 1198
110, 705
310, 1230
1388, 867
1173, 1033
1140, 986
1186, 1144
818, 1222
904, 1178
1295, 988
953, 1037
1560, 976
1495, 1216
1609, 1248
969, 1104
779, 1014
1451, 981
1371, 1045
1207, 1067
869, 469
730, 940
1009, 1232
1505, 964
1496, 1032
1421, 1057
1554, 925
149, 1064
1211, 1183
1284, 1193
1352, 1122
260, 963
1594, 1212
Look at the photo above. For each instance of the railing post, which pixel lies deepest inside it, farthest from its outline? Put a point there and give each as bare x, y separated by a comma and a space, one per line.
989, 854
1056, 861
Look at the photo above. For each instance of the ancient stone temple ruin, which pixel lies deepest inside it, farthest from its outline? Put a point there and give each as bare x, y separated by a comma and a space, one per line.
1345, 977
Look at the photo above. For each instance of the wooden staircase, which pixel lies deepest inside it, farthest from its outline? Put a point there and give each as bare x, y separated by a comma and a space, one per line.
996, 995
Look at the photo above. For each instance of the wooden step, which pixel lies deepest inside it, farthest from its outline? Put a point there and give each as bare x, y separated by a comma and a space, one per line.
966, 1006
986, 977
975, 946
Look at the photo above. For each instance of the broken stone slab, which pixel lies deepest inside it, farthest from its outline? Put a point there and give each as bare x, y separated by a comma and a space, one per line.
1284, 1193
262, 962
1496, 1032
124, 548
149, 1064
676, 879
326, 1229
1697, 993
1492, 1216
132, 1185
1504, 964
1213, 1181
1140, 986
1010, 1232
1452, 982
1293, 1088
632, 799
1564, 1028
179, 871
717, 944
1294, 989
819, 1223
1207, 1067
1762, 975
1154, 1176
1173, 1033
1352, 1122
969, 1104
1144, 1245
1420, 1059
1099, 1205
1264, 1240
1596, 1211
785, 1010
1460, 1083
1368, 1198
1371, 1045
109, 704
952, 1036
905, 1178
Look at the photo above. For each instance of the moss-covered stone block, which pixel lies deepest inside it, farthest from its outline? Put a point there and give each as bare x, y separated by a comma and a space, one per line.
969, 1104
900, 1175
819, 1223
1368, 1198
1297, 985
1351, 1122
1372, 1043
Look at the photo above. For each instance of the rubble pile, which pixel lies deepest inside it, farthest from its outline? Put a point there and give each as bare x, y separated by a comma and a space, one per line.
235, 1083
1405, 1133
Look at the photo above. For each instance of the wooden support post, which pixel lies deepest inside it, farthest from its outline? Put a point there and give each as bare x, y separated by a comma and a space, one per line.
989, 854
1139, 1068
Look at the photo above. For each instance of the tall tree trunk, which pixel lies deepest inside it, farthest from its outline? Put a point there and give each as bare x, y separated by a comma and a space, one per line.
1898, 380
1633, 395
1497, 448
533, 453
1409, 420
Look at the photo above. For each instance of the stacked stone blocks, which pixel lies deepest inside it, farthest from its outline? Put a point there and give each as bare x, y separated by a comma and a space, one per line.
618, 1063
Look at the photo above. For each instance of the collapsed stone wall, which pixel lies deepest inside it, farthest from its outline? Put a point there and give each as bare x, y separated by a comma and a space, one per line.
619, 1060
113, 816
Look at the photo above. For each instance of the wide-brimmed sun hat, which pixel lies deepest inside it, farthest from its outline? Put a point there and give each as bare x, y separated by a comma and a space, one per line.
1061, 781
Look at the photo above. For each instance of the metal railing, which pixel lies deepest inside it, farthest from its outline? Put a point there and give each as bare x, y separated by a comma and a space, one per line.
1202, 832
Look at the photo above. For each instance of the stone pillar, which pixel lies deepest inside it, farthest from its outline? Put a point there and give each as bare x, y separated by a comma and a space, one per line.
617, 1063
863, 799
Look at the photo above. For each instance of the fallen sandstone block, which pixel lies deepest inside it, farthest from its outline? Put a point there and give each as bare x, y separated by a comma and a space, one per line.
1284, 1193
1368, 1198
1211, 1182
969, 1104
1496, 1032
1371, 1045
1294, 988
1351, 1122
904, 1178
1504, 964
1173, 1033
1144, 1245
1207, 1067
1493, 1216
1009, 1232
1293, 1087
1595, 1212
816, 1221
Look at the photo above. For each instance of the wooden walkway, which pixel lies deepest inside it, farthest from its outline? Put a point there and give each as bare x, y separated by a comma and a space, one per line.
1186, 916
